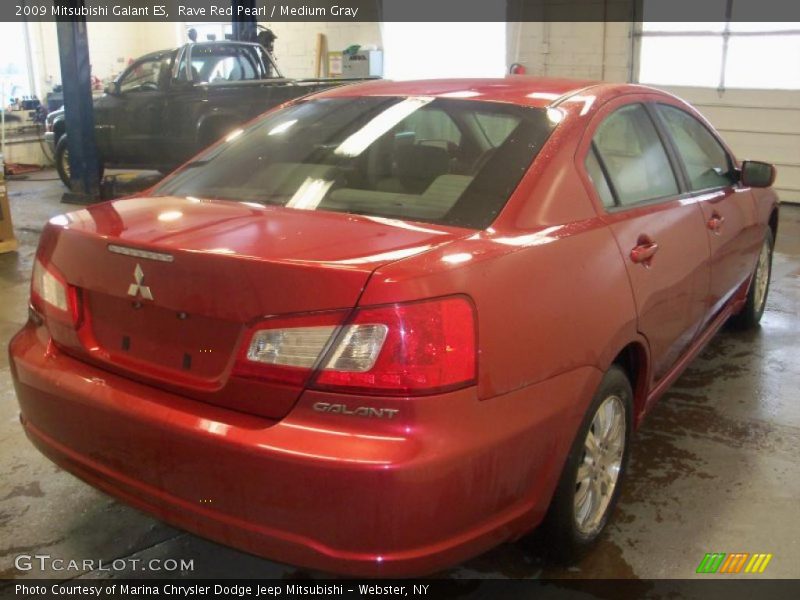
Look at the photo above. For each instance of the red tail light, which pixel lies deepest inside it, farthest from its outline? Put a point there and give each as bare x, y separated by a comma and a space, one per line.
403, 349
52, 296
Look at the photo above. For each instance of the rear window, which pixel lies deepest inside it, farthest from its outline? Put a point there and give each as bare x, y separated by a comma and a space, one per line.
220, 63
446, 161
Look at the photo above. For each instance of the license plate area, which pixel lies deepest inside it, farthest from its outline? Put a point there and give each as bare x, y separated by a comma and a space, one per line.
140, 332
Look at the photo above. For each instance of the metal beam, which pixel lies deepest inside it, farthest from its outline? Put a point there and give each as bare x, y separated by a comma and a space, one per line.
73, 50
244, 27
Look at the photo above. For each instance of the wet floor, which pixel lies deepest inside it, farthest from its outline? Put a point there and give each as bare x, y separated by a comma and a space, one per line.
714, 468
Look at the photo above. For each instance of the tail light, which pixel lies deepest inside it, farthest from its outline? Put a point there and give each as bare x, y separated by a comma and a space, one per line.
402, 349
51, 295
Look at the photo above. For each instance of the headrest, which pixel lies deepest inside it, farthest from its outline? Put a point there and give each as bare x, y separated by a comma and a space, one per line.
417, 166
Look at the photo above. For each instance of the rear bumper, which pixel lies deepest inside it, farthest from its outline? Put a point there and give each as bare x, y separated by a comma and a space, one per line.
449, 477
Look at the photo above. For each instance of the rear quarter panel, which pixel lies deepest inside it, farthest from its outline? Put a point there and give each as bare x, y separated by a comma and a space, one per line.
548, 281
553, 303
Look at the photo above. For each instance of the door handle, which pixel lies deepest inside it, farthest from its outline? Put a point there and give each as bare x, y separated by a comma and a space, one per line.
644, 251
715, 222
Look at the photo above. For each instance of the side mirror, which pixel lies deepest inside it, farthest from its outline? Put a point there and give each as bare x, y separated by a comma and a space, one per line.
757, 174
112, 89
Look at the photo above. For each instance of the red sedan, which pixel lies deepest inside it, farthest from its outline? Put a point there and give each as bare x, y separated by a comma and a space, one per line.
387, 327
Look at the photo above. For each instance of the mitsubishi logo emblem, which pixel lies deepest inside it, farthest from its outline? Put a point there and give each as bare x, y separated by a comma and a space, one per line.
139, 287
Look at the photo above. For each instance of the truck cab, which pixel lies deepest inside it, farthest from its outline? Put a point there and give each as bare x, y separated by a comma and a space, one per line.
168, 105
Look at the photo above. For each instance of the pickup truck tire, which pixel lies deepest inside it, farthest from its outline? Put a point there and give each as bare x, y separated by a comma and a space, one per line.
62, 162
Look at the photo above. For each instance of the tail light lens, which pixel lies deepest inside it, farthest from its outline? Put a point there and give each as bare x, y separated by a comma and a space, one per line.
286, 350
51, 295
403, 349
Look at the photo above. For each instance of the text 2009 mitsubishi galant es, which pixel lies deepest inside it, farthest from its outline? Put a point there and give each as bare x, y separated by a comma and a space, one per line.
389, 326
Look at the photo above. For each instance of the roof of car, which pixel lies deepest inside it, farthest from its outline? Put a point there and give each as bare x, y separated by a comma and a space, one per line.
202, 43
516, 89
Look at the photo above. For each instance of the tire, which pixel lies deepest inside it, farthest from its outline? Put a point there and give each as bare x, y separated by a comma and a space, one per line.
62, 162
752, 311
572, 525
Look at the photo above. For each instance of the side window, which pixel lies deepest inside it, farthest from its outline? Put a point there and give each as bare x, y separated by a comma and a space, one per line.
233, 68
707, 163
629, 148
431, 127
496, 128
144, 76
221, 63
599, 178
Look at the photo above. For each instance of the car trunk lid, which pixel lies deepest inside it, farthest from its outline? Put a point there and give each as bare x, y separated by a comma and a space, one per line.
169, 286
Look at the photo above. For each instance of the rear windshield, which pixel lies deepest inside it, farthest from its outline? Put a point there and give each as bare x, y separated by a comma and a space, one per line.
447, 161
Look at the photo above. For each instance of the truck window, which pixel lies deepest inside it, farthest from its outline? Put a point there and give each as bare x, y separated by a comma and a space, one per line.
146, 75
219, 63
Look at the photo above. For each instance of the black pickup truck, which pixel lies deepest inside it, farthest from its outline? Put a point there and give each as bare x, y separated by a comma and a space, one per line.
168, 105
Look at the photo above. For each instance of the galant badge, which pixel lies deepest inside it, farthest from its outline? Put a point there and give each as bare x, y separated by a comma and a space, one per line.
139, 287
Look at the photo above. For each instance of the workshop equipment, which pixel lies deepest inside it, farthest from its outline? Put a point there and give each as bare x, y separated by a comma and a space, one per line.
8, 243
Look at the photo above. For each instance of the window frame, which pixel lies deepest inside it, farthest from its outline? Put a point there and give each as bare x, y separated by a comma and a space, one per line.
682, 165
676, 166
168, 56
725, 35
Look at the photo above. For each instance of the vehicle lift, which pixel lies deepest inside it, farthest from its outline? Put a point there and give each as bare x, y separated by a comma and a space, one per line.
73, 50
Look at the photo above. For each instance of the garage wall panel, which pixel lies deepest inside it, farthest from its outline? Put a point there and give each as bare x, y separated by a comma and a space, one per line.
598, 51
757, 124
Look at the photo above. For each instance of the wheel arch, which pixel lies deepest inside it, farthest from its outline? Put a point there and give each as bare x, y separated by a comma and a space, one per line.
773, 222
59, 129
634, 360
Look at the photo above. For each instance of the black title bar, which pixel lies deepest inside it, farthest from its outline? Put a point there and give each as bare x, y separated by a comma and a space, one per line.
415, 589
402, 10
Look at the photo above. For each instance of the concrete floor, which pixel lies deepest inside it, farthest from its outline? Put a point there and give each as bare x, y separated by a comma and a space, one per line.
715, 467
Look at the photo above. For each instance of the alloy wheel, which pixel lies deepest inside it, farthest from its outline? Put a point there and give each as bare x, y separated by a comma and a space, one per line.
762, 277
600, 466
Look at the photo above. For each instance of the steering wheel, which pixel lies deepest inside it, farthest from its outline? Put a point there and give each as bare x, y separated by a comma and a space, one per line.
149, 86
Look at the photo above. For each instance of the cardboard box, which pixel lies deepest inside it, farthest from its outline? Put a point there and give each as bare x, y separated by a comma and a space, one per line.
364, 63
8, 242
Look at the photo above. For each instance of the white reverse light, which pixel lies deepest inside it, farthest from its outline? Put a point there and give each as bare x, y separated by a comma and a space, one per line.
48, 288
301, 347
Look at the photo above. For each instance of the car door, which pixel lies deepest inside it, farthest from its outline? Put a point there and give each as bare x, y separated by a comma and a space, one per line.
661, 234
137, 113
729, 210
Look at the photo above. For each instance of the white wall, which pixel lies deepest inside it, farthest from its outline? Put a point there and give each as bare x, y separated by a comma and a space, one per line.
757, 124
296, 44
574, 50
111, 46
